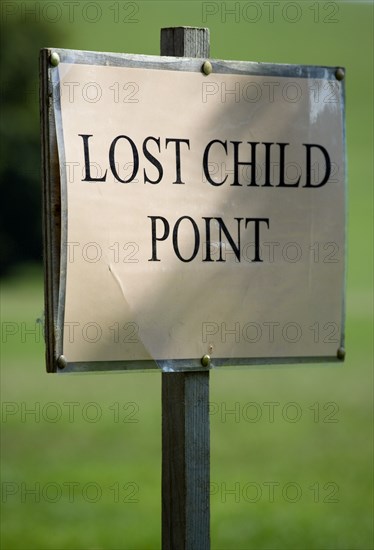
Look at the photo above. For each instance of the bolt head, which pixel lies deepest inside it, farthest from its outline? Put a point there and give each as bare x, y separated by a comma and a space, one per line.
54, 59
205, 360
207, 67
61, 362
339, 74
340, 354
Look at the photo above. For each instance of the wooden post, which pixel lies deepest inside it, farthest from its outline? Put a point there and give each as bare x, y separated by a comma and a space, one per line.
185, 402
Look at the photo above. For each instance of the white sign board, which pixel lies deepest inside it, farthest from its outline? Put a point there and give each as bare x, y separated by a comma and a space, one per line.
200, 214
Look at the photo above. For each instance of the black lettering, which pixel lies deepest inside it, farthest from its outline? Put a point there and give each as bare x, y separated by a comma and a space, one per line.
236, 248
206, 161
257, 222
88, 177
267, 182
325, 179
251, 163
175, 239
155, 238
282, 168
208, 257
135, 159
152, 160
177, 155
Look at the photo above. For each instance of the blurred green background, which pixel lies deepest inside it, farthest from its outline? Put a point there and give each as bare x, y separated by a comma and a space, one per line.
91, 450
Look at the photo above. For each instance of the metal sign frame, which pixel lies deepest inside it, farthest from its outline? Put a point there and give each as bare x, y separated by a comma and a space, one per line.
55, 214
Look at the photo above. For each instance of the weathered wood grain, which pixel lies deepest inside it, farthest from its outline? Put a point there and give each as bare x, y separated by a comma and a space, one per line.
185, 404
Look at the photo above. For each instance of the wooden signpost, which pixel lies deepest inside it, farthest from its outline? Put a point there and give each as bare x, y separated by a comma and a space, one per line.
185, 402
194, 217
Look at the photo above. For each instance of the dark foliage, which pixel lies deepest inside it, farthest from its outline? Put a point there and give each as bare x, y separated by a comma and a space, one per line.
20, 173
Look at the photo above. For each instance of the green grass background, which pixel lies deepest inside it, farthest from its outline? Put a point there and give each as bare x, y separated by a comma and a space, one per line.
311, 452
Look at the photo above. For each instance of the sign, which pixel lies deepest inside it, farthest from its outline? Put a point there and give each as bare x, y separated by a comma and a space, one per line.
200, 214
